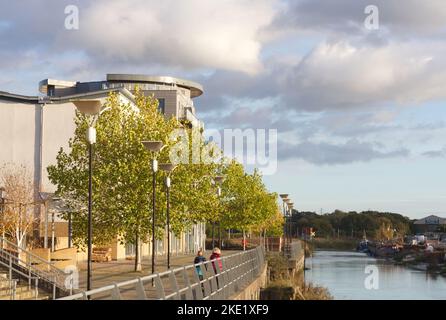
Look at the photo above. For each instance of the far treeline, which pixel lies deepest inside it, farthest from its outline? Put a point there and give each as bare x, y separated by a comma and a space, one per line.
372, 224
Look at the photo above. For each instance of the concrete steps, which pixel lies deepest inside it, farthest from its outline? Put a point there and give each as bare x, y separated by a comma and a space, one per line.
22, 293
22, 290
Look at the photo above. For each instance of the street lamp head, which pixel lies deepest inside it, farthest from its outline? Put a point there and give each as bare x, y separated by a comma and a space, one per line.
168, 182
167, 167
88, 107
155, 165
284, 196
154, 146
219, 179
286, 200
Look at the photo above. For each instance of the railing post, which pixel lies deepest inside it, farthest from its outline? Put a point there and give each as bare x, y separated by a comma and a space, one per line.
71, 282
140, 291
37, 288
116, 294
14, 289
159, 287
206, 281
54, 288
199, 288
28, 264
186, 280
174, 284
10, 267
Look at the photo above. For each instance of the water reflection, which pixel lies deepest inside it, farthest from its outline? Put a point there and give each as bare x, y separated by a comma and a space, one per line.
343, 273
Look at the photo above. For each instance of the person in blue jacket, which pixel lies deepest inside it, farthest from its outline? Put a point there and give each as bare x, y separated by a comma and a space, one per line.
199, 259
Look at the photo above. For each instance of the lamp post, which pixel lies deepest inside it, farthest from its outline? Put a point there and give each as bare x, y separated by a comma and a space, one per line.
168, 168
70, 229
3, 200
290, 221
91, 108
218, 180
154, 147
286, 201
284, 197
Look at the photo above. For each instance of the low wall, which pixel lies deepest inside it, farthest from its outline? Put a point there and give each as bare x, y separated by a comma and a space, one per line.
252, 291
296, 265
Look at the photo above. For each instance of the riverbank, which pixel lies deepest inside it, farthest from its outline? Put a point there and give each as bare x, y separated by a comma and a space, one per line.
431, 262
287, 285
334, 244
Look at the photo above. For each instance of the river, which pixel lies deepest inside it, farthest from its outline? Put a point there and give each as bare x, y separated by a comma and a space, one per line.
344, 275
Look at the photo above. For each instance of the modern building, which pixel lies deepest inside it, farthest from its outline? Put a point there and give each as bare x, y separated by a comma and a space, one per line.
430, 224
174, 95
34, 128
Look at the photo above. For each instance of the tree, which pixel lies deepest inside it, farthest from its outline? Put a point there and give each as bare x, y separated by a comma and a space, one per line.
19, 218
122, 180
247, 205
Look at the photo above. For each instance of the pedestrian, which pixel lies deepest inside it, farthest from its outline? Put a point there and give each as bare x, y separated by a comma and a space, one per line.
216, 257
199, 259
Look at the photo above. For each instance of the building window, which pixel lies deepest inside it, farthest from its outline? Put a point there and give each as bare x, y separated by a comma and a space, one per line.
161, 105
130, 250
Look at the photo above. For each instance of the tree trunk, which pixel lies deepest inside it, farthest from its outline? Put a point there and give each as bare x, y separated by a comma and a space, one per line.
138, 265
244, 240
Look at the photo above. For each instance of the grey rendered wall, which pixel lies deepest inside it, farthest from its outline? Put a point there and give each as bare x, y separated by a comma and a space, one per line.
18, 135
58, 128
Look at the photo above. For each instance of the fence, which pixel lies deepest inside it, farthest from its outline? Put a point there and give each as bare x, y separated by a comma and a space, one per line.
35, 269
211, 280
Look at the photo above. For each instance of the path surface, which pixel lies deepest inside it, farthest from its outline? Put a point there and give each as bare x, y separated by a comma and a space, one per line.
106, 273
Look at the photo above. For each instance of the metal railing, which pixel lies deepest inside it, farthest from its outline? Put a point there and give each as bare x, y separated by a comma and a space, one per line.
32, 267
211, 280
10, 288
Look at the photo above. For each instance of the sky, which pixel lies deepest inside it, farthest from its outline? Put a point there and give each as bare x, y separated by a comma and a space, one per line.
358, 103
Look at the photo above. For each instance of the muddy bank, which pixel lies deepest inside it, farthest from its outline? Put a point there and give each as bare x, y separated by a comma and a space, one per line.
284, 284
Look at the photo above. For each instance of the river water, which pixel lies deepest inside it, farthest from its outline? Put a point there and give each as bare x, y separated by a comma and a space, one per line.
356, 276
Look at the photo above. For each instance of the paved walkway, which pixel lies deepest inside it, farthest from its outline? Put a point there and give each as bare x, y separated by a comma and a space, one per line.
106, 273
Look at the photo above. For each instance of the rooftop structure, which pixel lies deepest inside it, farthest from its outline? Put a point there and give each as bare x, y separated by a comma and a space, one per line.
174, 95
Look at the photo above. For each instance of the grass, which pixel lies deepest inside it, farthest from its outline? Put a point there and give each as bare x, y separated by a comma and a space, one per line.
311, 292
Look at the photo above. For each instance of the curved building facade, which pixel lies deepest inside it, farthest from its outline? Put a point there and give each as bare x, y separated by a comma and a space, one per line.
175, 95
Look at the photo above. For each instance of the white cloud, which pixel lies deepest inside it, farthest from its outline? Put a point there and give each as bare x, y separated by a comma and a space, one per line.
343, 75
190, 34
402, 19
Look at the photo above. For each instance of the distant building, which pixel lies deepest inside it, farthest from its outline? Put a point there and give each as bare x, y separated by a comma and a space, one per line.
34, 128
430, 223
